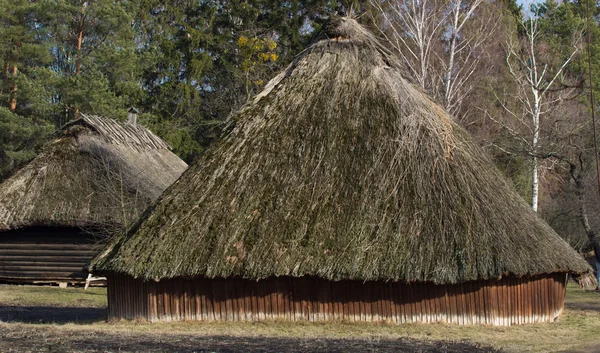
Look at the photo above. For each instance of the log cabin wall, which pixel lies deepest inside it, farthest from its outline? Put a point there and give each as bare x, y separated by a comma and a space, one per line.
508, 301
46, 254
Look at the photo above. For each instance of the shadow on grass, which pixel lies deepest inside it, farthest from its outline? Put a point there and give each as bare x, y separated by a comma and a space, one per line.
595, 307
50, 314
103, 342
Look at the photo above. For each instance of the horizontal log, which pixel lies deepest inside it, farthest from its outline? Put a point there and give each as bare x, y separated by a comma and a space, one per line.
42, 268
56, 264
50, 239
46, 246
37, 252
41, 275
55, 258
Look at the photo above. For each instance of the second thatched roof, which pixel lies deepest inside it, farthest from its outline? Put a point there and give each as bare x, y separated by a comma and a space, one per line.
341, 169
95, 172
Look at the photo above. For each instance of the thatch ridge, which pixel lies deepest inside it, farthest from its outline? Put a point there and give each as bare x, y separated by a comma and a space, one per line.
341, 169
95, 172
134, 136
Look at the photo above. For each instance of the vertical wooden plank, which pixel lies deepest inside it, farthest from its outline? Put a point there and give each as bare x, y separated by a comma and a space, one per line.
197, 300
519, 303
544, 290
315, 305
303, 298
254, 300
530, 302
342, 300
330, 301
289, 299
267, 299
506, 294
247, 300
206, 299
482, 314
472, 302
367, 299
513, 300
225, 300
467, 310
409, 306
477, 303
273, 295
492, 302
523, 300
399, 301
441, 295
503, 309
357, 300
249, 296
454, 303
217, 299
239, 298
349, 290
439, 298
391, 297
378, 314
386, 302
279, 312
287, 296
422, 303
549, 284
262, 297
296, 304
533, 294
345, 297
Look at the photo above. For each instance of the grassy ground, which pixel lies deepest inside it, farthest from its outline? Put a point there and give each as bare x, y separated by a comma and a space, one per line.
577, 330
52, 296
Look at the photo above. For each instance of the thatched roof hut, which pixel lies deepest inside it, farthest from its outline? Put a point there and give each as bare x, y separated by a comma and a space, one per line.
94, 177
341, 184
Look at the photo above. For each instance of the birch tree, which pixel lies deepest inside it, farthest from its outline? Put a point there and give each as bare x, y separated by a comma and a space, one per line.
440, 41
535, 78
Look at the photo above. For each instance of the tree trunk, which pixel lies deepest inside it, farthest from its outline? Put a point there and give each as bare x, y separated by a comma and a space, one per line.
535, 186
13, 94
79, 45
450, 68
6, 74
583, 217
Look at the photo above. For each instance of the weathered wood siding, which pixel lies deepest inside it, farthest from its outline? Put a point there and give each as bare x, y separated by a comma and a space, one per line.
509, 301
45, 254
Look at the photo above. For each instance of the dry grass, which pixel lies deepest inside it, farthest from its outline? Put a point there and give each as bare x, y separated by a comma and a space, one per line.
52, 296
577, 328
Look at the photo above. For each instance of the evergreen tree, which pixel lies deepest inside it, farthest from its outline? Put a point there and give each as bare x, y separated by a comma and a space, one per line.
21, 48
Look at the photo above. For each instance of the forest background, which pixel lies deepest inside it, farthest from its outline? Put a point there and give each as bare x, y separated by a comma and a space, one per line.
517, 77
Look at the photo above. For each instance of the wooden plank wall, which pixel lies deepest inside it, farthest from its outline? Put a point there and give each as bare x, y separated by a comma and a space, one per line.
45, 254
509, 301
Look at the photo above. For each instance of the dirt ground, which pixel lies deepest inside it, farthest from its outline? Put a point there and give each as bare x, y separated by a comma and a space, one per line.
23, 329
19, 339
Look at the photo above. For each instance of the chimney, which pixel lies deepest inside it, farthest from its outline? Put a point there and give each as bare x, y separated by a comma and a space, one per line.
132, 116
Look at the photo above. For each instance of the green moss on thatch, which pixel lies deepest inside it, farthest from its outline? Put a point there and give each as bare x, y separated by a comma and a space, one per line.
341, 169
95, 172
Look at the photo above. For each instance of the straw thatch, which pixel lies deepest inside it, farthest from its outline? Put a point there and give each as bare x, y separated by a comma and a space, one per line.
95, 172
341, 169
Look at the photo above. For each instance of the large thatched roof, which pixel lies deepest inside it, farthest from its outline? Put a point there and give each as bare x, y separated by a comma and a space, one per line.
341, 169
94, 172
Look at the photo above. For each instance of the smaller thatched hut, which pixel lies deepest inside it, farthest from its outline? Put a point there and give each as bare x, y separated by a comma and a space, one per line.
341, 192
93, 178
